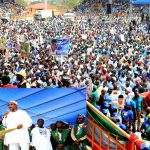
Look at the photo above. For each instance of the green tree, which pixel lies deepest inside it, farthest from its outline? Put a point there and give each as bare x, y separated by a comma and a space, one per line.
21, 2
72, 3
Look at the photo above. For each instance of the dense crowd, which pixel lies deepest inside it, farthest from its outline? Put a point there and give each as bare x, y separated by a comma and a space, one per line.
110, 55
11, 7
122, 49
117, 7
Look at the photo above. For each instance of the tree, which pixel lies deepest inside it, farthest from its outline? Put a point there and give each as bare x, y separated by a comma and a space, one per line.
72, 3
21, 2
66, 3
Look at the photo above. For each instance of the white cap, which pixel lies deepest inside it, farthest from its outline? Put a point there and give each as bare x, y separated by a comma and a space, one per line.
13, 102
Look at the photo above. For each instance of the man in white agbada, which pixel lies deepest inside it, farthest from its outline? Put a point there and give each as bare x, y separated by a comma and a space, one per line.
41, 137
19, 119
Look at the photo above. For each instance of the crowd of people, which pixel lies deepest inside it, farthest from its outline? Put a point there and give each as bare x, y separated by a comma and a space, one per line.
99, 47
114, 86
108, 54
117, 7
60, 135
11, 7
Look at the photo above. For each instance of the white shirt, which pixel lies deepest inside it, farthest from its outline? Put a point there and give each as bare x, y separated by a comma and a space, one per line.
41, 139
12, 121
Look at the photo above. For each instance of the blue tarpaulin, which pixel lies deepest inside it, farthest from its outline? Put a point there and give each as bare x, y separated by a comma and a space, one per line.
51, 104
140, 2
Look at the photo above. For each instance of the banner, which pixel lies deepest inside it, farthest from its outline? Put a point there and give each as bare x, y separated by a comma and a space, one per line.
60, 46
26, 47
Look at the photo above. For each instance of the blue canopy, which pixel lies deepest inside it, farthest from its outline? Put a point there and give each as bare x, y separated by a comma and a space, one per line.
51, 104
140, 2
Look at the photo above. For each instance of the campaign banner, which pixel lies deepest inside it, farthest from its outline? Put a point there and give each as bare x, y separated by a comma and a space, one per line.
60, 46
25, 47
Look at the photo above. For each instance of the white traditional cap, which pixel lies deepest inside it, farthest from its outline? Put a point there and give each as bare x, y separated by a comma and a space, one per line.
13, 102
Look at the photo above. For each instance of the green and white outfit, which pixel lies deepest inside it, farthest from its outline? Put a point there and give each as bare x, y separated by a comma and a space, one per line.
60, 137
78, 132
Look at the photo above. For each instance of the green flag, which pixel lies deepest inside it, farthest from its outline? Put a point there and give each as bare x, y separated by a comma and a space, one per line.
105, 125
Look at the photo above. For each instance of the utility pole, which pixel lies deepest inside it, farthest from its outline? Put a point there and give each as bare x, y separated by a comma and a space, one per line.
45, 4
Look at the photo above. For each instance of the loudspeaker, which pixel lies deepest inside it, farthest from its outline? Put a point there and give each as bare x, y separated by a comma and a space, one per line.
108, 8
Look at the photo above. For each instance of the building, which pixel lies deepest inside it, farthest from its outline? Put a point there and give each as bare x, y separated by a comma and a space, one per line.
41, 6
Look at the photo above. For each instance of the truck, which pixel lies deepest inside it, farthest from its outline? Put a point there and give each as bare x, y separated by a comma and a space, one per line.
43, 14
70, 16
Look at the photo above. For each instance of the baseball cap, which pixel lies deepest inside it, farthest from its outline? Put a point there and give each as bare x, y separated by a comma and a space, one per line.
115, 115
104, 111
106, 104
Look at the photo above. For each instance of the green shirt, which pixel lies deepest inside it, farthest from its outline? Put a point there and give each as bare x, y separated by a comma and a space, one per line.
60, 137
79, 132
94, 97
137, 103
